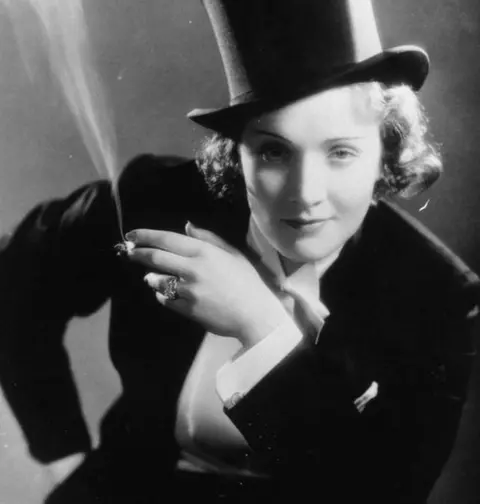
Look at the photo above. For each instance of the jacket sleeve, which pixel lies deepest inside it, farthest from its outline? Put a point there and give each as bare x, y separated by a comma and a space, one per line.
302, 426
57, 264
433, 391
300, 421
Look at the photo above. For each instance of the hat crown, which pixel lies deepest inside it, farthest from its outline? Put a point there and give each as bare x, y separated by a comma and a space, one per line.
275, 52
272, 47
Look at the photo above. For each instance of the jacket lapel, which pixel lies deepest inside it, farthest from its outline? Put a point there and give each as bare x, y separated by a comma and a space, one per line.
346, 289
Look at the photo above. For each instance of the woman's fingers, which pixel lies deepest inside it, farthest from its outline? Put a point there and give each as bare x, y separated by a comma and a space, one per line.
157, 281
162, 260
159, 284
179, 305
208, 237
167, 240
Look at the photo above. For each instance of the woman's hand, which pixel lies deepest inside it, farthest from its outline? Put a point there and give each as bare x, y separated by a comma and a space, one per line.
218, 287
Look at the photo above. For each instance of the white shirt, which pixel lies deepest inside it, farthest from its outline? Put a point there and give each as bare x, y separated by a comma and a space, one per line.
240, 375
210, 441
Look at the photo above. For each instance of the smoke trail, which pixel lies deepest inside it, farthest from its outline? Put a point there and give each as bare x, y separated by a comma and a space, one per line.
66, 40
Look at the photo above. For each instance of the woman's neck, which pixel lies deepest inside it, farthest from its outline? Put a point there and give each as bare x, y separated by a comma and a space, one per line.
290, 267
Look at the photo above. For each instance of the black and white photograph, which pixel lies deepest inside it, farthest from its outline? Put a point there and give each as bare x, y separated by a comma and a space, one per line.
239, 251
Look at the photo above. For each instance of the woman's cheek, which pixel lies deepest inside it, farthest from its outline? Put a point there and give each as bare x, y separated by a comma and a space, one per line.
269, 186
352, 193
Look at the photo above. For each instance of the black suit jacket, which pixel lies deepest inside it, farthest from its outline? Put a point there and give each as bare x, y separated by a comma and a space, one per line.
402, 308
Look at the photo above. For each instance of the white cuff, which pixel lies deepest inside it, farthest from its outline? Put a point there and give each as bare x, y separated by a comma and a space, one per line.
242, 374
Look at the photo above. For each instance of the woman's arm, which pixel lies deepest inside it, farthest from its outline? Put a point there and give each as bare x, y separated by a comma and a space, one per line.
60, 262
300, 421
54, 266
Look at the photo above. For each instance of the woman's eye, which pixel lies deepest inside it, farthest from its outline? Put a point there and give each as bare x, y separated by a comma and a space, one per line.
343, 154
275, 153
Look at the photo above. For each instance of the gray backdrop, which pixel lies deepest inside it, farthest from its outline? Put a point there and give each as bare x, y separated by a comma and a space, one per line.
158, 60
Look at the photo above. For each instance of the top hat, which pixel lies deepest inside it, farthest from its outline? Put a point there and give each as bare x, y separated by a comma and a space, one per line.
275, 52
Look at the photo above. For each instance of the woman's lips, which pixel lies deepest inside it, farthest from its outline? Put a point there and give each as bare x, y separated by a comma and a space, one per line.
305, 224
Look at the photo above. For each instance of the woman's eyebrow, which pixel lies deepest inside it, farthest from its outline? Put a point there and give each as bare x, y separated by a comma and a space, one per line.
344, 139
269, 133
325, 141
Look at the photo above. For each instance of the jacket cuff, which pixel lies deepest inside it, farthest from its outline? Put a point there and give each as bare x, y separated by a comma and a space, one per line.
240, 375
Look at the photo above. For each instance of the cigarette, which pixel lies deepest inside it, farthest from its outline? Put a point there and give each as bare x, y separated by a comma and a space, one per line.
124, 248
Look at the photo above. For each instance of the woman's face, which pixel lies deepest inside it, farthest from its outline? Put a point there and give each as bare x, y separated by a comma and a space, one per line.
310, 169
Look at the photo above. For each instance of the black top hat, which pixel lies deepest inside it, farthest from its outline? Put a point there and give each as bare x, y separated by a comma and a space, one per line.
277, 51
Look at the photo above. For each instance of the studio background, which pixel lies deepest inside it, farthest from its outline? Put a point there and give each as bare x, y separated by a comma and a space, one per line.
158, 60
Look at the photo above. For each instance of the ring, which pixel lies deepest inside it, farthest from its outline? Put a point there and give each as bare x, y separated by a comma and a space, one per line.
170, 291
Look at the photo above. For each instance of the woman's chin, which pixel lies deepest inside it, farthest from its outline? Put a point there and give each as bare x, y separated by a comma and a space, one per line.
301, 246
305, 253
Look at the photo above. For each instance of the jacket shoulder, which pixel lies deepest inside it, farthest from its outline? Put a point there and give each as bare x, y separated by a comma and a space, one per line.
150, 170
425, 272
153, 187
413, 240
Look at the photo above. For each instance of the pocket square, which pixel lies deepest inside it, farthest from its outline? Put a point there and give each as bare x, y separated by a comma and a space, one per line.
362, 401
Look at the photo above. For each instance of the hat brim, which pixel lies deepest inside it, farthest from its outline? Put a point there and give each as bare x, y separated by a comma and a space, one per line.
399, 65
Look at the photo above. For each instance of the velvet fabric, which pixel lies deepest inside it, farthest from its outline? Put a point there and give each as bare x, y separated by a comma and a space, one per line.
402, 312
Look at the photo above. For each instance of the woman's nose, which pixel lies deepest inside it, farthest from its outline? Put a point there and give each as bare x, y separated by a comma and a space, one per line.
309, 181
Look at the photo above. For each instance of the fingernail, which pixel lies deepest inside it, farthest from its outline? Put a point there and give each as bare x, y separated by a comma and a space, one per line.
188, 226
148, 278
131, 236
151, 279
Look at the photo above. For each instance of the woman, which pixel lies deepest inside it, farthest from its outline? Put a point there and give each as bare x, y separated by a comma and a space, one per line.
303, 336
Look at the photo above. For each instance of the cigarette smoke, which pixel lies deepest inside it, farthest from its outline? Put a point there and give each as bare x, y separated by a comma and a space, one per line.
63, 34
